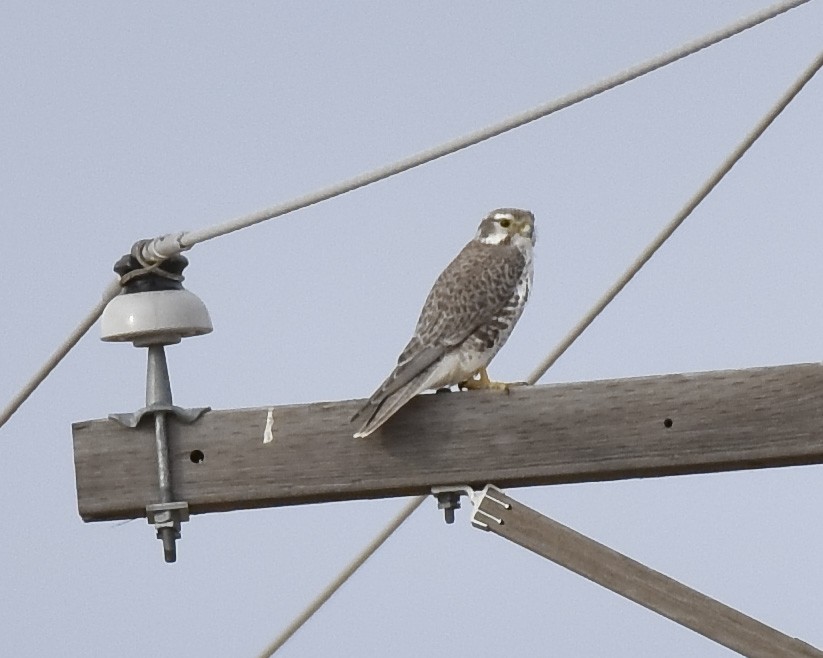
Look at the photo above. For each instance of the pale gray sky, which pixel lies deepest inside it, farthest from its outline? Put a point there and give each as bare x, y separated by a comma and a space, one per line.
126, 120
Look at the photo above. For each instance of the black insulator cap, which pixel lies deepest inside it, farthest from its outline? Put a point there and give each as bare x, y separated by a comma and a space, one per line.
166, 276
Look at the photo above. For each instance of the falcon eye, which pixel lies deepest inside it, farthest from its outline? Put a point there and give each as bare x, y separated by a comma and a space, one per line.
505, 223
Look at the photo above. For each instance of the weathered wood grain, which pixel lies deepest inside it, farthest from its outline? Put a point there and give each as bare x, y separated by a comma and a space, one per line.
637, 582
587, 431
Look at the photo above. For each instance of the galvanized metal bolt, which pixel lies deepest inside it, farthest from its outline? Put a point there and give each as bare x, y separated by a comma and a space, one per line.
448, 501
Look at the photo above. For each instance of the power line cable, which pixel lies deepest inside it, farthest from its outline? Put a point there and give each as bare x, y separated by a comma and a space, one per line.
168, 245
111, 291
678, 219
344, 575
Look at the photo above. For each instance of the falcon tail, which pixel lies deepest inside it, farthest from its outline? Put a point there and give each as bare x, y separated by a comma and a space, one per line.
413, 375
378, 411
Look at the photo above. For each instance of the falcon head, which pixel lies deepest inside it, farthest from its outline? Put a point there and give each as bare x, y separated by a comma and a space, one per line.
507, 226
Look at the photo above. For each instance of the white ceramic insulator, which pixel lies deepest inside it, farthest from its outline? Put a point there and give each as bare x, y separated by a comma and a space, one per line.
154, 317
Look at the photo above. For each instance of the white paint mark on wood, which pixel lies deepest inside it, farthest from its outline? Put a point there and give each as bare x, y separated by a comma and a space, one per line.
268, 437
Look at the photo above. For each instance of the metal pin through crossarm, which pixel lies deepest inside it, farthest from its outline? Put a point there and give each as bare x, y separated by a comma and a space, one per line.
168, 514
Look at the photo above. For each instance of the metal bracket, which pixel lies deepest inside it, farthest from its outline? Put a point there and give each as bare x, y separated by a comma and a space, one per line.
167, 515
132, 420
481, 519
448, 499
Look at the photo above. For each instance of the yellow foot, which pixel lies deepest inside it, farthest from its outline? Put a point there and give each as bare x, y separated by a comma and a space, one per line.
483, 382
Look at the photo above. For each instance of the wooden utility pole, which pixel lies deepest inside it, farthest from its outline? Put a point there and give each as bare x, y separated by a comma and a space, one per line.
580, 432
586, 431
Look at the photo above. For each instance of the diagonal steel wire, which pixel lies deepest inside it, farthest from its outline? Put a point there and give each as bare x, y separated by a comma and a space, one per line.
342, 577
111, 291
724, 168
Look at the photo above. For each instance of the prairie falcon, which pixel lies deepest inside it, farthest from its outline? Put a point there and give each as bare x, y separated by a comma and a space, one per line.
468, 316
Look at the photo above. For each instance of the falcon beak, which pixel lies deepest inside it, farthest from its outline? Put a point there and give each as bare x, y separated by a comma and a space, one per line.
523, 228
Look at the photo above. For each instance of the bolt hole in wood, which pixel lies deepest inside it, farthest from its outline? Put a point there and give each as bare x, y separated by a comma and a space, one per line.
197, 456
668, 423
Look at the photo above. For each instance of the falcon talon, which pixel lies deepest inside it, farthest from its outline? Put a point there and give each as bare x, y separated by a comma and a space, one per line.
467, 317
